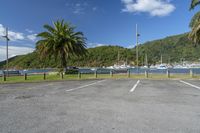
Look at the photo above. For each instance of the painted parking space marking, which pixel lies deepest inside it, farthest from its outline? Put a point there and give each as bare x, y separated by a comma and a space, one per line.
135, 86
84, 86
194, 86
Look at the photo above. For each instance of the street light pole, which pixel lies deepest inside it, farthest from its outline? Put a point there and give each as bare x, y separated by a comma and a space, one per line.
137, 55
7, 39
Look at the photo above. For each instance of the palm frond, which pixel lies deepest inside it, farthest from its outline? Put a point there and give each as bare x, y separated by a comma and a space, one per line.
194, 3
195, 34
49, 28
44, 35
195, 19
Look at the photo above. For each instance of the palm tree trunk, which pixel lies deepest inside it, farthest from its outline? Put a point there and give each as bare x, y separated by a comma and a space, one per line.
63, 60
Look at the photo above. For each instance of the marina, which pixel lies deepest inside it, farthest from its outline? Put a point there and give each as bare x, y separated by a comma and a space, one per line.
107, 70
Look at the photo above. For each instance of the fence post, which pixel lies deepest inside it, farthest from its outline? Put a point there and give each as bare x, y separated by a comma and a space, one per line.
25, 76
168, 74
146, 74
79, 75
4, 77
95, 74
111, 73
128, 73
44, 76
191, 73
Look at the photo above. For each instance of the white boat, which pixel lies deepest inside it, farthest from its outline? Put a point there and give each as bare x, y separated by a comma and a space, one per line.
110, 67
153, 67
124, 66
93, 69
195, 65
162, 67
144, 67
180, 67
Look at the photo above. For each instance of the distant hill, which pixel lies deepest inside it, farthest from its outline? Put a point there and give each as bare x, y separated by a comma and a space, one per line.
173, 49
97, 57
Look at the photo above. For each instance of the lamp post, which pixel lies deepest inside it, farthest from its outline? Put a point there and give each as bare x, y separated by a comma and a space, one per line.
7, 39
137, 38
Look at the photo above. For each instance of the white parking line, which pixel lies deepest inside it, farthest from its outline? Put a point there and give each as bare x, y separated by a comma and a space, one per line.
197, 87
134, 87
84, 86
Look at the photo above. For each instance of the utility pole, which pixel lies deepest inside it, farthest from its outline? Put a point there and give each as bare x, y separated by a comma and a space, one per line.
137, 55
7, 39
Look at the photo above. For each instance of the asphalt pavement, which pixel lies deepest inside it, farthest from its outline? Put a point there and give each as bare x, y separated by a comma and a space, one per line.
101, 106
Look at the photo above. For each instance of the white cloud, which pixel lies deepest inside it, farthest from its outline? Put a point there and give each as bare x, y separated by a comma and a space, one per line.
79, 8
2, 31
13, 36
153, 7
130, 46
13, 51
32, 37
94, 8
93, 45
17, 36
29, 31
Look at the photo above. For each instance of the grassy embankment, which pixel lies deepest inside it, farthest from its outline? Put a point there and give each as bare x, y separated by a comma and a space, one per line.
40, 78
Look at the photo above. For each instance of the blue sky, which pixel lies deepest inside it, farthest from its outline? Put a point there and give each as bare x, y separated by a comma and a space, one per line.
104, 22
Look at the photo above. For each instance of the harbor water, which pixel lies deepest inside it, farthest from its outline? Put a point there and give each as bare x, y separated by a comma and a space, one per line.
107, 71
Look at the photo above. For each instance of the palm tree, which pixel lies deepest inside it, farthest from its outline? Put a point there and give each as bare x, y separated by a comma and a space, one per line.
194, 3
195, 24
61, 42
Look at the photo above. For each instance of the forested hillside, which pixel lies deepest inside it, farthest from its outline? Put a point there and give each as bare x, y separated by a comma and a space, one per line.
96, 57
172, 48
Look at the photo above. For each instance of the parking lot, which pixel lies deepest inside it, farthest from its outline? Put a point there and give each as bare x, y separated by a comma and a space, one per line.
101, 106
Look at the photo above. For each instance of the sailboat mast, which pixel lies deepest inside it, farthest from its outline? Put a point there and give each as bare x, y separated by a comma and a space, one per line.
118, 59
146, 60
169, 61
